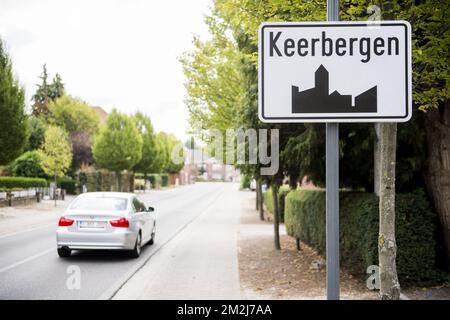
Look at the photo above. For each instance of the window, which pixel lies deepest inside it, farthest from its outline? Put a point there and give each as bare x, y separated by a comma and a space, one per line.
100, 203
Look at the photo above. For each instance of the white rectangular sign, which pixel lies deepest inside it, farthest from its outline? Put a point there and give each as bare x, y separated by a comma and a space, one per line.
335, 72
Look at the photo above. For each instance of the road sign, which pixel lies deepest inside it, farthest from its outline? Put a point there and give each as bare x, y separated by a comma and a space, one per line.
335, 71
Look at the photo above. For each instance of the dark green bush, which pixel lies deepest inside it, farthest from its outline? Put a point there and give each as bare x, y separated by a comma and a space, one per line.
415, 227
164, 180
103, 180
69, 184
22, 182
268, 200
28, 165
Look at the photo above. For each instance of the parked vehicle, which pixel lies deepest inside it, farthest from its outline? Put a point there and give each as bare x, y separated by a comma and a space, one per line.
105, 220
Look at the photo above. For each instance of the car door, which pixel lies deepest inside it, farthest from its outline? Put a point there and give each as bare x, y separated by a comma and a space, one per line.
149, 217
139, 217
143, 218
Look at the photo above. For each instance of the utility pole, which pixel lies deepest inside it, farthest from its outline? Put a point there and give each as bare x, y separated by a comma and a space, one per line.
332, 190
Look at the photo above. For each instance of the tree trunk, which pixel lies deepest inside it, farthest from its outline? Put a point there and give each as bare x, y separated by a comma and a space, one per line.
131, 182
387, 247
437, 169
276, 216
261, 202
376, 160
118, 182
293, 182
54, 190
258, 194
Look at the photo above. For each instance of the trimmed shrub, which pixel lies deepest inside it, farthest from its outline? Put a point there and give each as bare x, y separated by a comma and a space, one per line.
155, 180
415, 229
68, 184
164, 180
268, 200
22, 182
28, 165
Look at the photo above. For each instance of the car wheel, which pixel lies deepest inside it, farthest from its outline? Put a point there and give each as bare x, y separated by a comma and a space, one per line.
152, 239
136, 252
64, 252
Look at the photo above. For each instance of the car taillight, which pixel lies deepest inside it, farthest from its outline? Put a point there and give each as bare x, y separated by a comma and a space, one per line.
121, 223
64, 222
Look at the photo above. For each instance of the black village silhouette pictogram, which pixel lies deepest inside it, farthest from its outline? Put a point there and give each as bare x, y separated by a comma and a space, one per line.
319, 100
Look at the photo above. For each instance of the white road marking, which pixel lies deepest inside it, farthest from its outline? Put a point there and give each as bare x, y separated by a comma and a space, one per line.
18, 263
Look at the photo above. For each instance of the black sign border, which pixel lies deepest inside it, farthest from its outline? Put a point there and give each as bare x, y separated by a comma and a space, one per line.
292, 25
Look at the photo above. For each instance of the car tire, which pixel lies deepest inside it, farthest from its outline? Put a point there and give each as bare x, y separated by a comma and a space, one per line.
136, 252
64, 252
152, 239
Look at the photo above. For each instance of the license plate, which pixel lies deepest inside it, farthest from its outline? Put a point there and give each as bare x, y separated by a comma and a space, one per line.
91, 224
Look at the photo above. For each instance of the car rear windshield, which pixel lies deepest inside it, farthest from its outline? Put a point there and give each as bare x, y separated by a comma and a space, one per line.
100, 203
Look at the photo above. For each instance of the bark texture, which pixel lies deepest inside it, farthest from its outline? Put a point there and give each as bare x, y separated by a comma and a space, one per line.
437, 168
387, 246
258, 194
276, 216
261, 201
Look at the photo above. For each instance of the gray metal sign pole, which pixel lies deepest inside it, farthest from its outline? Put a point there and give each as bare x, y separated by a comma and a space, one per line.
332, 190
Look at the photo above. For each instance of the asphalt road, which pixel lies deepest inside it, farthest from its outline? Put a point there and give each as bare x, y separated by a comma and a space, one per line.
31, 269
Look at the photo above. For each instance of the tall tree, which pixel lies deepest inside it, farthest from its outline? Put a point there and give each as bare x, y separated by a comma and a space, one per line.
118, 145
36, 127
81, 149
56, 152
41, 97
174, 149
56, 88
13, 132
149, 150
73, 115
46, 92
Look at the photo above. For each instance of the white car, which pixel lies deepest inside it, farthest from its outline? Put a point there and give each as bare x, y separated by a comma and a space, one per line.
105, 220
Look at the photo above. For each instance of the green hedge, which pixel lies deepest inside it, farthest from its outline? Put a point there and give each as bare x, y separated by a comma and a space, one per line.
164, 180
22, 182
69, 184
268, 200
103, 180
415, 231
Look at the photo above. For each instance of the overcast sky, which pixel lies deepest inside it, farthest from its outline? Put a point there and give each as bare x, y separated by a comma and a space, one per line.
110, 53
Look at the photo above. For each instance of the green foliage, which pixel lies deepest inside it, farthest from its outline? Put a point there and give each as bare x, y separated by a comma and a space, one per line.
73, 115
149, 149
69, 184
245, 181
45, 93
29, 165
102, 180
118, 146
13, 132
56, 152
415, 229
10, 183
174, 153
36, 128
164, 180
155, 180
268, 200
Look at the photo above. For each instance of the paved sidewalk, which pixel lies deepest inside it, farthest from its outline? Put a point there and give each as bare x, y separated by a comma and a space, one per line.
198, 263
31, 216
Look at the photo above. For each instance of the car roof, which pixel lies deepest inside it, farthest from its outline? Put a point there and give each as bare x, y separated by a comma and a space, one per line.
123, 195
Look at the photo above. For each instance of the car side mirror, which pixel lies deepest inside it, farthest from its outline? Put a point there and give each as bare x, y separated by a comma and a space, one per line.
150, 209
